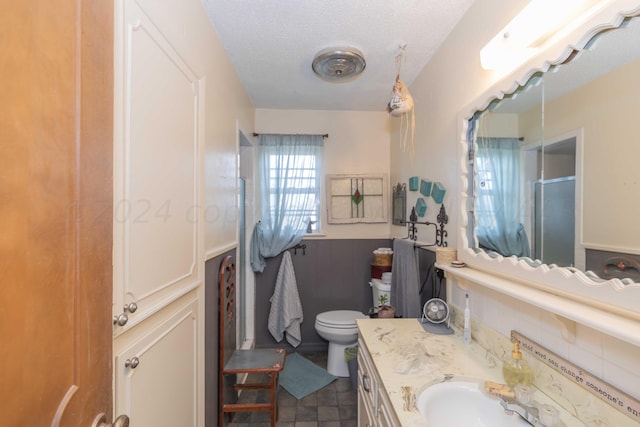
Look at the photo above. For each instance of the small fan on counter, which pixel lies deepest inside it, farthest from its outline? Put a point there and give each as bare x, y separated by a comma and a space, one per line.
435, 317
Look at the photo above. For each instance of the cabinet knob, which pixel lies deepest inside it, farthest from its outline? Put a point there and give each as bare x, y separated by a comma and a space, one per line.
101, 421
120, 319
132, 363
131, 307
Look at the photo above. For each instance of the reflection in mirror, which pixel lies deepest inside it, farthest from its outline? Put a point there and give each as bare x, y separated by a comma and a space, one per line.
555, 168
501, 166
554, 205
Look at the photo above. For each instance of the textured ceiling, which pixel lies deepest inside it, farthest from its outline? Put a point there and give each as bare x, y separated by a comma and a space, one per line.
272, 44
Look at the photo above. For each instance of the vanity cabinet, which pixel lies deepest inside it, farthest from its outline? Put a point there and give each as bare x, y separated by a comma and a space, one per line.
374, 407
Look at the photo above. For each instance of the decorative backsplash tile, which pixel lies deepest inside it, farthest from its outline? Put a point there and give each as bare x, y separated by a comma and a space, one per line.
588, 408
594, 385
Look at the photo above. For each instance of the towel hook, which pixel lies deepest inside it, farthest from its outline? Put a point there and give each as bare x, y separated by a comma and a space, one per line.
302, 246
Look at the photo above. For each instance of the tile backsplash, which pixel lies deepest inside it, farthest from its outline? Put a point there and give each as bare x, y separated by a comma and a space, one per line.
616, 362
614, 397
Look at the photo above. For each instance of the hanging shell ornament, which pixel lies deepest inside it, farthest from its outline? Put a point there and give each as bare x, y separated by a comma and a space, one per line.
400, 105
401, 101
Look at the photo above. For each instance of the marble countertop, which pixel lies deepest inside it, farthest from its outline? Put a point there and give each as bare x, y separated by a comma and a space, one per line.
408, 359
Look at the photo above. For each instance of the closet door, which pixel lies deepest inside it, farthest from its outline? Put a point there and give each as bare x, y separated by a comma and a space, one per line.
158, 260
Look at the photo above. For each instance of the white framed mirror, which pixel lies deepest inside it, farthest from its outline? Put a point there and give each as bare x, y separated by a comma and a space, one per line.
568, 121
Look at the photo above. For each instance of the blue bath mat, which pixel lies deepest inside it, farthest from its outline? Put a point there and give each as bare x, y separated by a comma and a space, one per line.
301, 377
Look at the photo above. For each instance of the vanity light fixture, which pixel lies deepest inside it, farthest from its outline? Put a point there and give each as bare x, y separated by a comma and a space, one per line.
528, 32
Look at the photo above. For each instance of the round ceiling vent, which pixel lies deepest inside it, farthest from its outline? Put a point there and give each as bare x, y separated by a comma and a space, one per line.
338, 64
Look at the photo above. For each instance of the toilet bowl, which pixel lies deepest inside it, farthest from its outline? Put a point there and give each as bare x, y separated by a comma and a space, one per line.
339, 328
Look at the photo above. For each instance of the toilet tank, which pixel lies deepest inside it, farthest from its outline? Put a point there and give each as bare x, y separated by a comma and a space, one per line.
380, 288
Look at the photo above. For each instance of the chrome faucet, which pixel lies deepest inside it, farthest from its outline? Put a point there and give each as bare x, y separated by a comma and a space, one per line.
528, 413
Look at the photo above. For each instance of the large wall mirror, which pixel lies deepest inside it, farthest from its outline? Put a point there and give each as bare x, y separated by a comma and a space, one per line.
553, 173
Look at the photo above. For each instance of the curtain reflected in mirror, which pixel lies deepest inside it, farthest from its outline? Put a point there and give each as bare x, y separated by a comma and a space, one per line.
499, 227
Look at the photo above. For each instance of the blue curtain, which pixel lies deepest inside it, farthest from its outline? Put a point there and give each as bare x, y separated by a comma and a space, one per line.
289, 171
498, 225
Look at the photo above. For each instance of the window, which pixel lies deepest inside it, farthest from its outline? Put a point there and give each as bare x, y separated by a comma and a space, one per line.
296, 178
498, 213
486, 206
291, 171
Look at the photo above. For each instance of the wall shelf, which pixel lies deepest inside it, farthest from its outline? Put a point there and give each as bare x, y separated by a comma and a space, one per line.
566, 310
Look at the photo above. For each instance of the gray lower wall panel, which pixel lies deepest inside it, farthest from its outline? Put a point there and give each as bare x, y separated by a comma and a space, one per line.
608, 264
333, 275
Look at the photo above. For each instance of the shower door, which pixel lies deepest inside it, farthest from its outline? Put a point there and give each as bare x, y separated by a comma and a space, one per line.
554, 221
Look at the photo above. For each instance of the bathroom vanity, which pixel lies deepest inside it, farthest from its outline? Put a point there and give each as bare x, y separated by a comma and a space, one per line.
398, 359
374, 407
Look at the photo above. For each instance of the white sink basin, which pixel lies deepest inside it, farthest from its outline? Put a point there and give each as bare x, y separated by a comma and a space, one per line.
462, 403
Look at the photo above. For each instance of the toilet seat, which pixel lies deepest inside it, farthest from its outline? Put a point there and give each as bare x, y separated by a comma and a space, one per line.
336, 327
339, 319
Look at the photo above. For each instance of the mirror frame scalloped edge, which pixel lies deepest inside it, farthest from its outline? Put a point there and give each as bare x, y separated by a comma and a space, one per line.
610, 295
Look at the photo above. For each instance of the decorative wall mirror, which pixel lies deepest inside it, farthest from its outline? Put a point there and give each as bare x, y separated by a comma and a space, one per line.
552, 173
399, 203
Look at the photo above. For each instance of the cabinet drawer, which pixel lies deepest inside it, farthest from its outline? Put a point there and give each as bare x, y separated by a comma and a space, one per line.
374, 407
386, 415
367, 378
366, 413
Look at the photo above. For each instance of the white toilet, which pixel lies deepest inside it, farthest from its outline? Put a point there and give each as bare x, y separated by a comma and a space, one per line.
339, 328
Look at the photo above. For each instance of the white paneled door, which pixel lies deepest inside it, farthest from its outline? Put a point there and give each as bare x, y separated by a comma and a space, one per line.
155, 371
158, 272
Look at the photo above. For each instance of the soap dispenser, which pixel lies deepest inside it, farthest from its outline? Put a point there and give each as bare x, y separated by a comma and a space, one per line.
516, 370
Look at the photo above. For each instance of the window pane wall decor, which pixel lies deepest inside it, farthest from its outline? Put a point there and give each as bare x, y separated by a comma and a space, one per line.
357, 198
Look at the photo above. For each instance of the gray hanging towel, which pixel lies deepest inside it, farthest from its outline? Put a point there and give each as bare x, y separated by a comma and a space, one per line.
286, 310
405, 280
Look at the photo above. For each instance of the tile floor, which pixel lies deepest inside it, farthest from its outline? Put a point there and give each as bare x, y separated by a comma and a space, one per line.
335, 405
